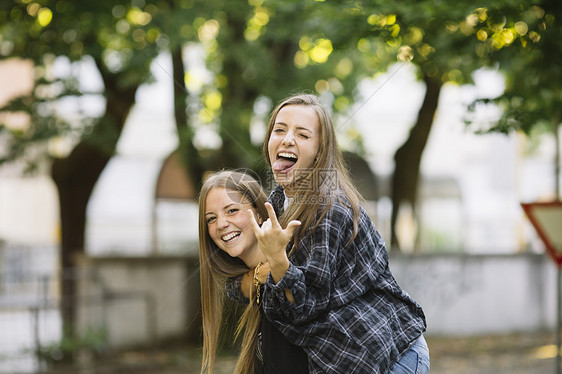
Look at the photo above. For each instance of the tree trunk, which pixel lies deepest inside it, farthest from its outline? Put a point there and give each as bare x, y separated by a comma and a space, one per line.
237, 149
557, 160
238, 99
189, 154
408, 157
75, 177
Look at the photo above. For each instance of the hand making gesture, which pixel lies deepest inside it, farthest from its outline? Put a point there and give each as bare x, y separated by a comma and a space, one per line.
273, 240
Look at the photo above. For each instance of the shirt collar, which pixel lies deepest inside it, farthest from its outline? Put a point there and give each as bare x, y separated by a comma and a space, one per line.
277, 200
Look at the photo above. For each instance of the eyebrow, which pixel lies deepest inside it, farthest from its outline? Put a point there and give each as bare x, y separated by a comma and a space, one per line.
298, 127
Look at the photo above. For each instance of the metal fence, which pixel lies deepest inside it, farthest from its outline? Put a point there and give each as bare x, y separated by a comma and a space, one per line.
30, 318
28, 288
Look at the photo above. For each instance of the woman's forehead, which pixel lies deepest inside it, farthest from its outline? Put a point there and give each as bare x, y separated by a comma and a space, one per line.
227, 196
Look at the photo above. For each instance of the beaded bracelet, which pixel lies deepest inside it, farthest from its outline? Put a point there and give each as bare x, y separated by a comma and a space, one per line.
257, 283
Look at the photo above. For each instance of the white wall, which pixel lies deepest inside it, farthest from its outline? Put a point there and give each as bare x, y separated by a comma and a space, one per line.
154, 299
480, 294
460, 294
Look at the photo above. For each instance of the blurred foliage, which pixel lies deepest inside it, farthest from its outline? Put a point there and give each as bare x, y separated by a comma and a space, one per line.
256, 49
270, 48
266, 49
58, 35
93, 340
422, 32
258, 53
523, 41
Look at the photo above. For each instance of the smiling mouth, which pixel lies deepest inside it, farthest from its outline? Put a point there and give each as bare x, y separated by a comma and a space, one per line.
230, 236
284, 162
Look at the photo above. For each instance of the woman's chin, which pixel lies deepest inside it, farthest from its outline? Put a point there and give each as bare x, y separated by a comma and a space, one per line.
285, 180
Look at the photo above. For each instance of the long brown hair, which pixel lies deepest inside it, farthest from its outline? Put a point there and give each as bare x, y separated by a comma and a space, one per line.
216, 265
327, 181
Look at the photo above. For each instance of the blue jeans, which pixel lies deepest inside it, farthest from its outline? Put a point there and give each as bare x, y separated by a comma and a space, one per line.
415, 361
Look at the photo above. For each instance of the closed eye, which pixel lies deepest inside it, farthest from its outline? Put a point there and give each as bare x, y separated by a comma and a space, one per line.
211, 219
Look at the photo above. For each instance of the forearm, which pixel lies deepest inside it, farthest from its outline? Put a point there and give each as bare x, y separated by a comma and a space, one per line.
278, 270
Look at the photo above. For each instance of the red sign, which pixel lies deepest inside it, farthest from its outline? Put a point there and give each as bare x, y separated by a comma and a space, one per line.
547, 221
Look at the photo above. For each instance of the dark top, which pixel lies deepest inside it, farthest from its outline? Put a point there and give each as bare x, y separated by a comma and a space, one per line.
279, 355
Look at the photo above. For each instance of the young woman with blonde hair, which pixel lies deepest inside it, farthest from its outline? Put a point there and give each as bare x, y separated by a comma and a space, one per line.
228, 248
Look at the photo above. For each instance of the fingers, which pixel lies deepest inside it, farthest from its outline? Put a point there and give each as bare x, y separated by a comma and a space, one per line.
266, 225
275, 223
271, 214
253, 222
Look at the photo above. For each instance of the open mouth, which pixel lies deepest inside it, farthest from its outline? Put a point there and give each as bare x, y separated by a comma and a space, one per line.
230, 236
284, 162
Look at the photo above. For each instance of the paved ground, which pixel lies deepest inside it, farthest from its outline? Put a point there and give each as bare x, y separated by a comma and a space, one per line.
511, 354
507, 354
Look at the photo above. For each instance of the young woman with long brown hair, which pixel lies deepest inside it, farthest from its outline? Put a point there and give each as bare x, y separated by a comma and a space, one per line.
227, 248
330, 290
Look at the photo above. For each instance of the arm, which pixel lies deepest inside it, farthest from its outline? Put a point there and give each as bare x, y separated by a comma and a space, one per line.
314, 272
278, 271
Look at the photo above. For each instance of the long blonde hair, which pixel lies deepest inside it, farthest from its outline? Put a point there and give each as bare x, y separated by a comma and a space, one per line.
327, 181
216, 265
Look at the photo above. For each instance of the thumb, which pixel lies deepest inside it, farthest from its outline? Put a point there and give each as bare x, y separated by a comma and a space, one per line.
292, 226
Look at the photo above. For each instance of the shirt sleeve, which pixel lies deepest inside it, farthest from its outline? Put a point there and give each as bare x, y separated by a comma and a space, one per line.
312, 271
234, 289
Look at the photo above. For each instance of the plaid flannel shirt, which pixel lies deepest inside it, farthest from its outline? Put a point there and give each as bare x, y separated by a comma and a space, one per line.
350, 315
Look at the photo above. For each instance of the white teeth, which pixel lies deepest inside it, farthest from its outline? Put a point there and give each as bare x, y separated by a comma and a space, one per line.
230, 236
287, 155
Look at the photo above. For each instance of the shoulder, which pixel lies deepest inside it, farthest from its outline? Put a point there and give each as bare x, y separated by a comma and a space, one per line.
337, 211
342, 216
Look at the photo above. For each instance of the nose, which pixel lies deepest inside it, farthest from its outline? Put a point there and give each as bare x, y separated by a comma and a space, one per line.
289, 139
222, 222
